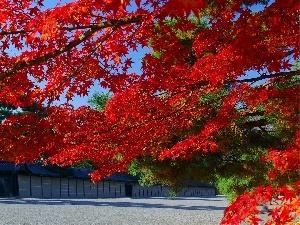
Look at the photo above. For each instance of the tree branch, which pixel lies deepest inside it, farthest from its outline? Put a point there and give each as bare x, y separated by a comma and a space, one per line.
266, 76
3, 32
249, 80
93, 29
101, 25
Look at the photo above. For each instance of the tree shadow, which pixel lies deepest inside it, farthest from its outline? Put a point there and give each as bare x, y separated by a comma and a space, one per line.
210, 199
106, 202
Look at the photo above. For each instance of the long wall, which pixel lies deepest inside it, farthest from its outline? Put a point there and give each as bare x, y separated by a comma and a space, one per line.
49, 187
163, 191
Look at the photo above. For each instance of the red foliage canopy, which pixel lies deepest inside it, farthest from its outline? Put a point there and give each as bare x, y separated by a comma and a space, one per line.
47, 54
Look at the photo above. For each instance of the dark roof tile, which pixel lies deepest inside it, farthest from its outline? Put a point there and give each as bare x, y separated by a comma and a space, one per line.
81, 173
121, 177
7, 167
37, 169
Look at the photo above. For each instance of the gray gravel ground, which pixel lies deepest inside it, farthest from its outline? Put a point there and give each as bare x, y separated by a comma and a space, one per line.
125, 211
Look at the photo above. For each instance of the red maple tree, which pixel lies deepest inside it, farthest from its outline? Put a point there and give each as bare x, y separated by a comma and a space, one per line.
47, 54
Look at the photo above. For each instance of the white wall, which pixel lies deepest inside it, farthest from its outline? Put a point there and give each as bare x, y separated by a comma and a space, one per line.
24, 186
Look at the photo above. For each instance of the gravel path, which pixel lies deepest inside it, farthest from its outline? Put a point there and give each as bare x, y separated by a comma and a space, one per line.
125, 211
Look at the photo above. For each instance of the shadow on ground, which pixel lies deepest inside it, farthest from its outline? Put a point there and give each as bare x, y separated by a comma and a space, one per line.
176, 203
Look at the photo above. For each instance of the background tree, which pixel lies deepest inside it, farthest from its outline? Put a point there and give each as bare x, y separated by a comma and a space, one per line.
5, 111
61, 52
98, 101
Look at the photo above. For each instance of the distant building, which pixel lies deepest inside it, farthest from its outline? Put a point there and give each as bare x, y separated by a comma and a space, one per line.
37, 181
